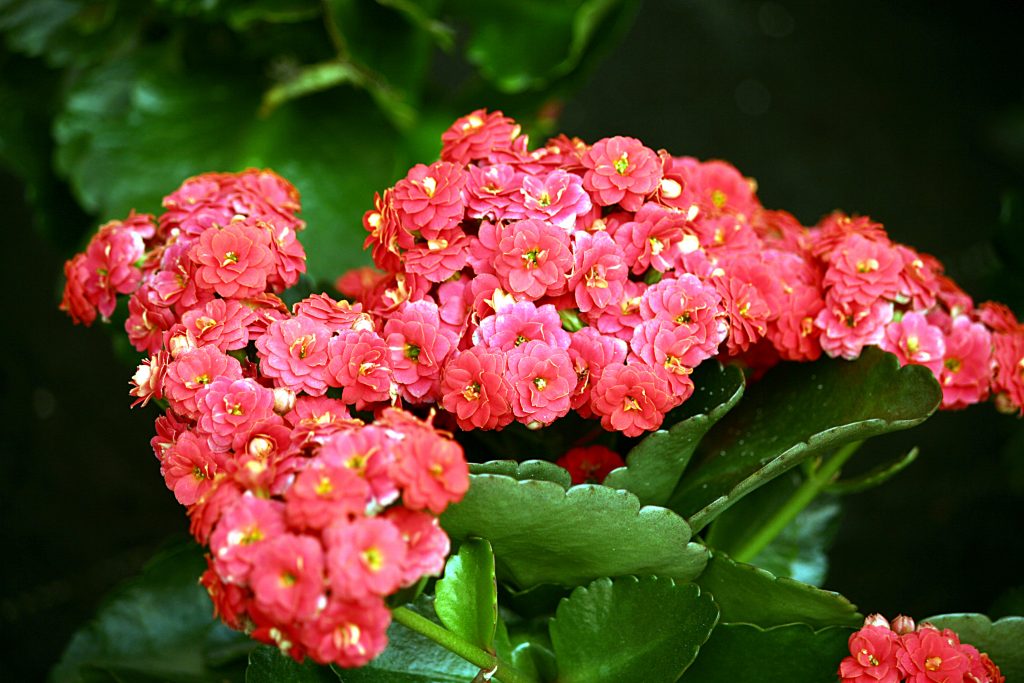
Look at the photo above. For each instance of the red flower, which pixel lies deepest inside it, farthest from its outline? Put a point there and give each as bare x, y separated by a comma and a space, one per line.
347, 633
621, 171
235, 260
533, 258
873, 652
543, 381
323, 494
294, 352
932, 656
287, 577
428, 200
475, 390
431, 472
631, 399
364, 557
477, 135
590, 464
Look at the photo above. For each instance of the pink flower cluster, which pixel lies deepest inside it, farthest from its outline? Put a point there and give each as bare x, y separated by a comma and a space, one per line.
901, 652
311, 517
521, 284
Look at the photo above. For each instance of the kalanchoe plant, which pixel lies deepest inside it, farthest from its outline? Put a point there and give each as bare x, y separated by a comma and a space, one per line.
601, 308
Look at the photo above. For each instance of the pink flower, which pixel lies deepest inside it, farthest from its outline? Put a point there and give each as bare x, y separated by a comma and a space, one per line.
235, 260
191, 372
475, 390
591, 352
337, 315
313, 419
915, 342
692, 306
76, 301
631, 399
543, 381
287, 577
557, 198
147, 320
188, 468
522, 322
847, 328
476, 135
620, 319
599, 271
431, 472
533, 258
428, 200
289, 256
419, 345
360, 363
747, 311
719, 188
492, 192
224, 323
966, 367
834, 229
229, 409
872, 657
919, 284
368, 452
653, 238
621, 171
862, 271
670, 350
347, 633
148, 380
242, 527
439, 258
1008, 374
426, 544
364, 557
325, 493
932, 656
590, 464
294, 352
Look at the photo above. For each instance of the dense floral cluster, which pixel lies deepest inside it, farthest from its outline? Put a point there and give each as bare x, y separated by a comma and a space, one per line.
311, 516
900, 652
521, 284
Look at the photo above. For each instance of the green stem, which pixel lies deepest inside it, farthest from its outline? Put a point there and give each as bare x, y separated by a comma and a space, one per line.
800, 499
450, 641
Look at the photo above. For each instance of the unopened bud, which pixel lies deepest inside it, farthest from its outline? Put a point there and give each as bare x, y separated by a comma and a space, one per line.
260, 447
670, 189
903, 624
284, 400
876, 620
180, 344
363, 323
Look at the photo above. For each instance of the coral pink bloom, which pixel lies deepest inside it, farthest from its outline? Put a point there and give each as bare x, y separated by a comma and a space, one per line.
557, 198
337, 315
997, 317
692, 306
671, 350
190, 372
492, 192
533, 258
861, 271
718, 187
590, 464
428, 200
147, 320
747, 311
966, 367
76, 301
872, 657
294, 352
287, 577
621, 171
915, 342
243, 526
474, 389
543, 381
591, 352
364, 557
431, 471
1008, 374
369, 453
475, 136
235, 260
289, 257
631, 399
313, 419
653, 238
835, 228
620, 318
224, 323
932, 656
521, 322
188, 468
325, 493
599, 272
919, 284
347, 633
148, 380
229, 409
426, 543
439, 258
793, 333
419, 345
847, 328
360, 363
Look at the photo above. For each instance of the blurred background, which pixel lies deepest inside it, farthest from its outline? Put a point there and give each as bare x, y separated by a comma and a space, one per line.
910, 112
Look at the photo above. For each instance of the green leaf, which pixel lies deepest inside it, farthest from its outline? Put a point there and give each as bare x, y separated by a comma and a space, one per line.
412, 658
630, 630
749, 594
268, 665
654, 466
796, 411
1003, 640
308, 80
875, 477
794, 653
542, 533
799, 551
132, 131
156, 627
541, 470
466, 597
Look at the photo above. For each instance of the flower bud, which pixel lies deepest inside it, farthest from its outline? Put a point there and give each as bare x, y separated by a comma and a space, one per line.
180, 344
876, 620
260, 447
903, 624
363, 323
284, 400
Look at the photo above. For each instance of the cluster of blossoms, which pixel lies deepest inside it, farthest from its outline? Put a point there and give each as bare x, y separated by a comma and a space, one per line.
520, 284
311, 516
900, 652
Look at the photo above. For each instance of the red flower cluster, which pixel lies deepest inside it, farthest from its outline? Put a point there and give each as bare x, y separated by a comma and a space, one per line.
881, 652
521, 284
312, 517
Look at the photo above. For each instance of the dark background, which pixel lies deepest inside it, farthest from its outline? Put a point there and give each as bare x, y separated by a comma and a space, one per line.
913, 114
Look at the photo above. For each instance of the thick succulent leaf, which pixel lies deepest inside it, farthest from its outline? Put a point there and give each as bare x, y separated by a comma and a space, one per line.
133, 130
654, 466
540, 470
157, 627
630, 630
875, 477
794, 653
749, 594
1003, 640
268, 665
412, 658
466, 597
542, 533
796, 411
800, 550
